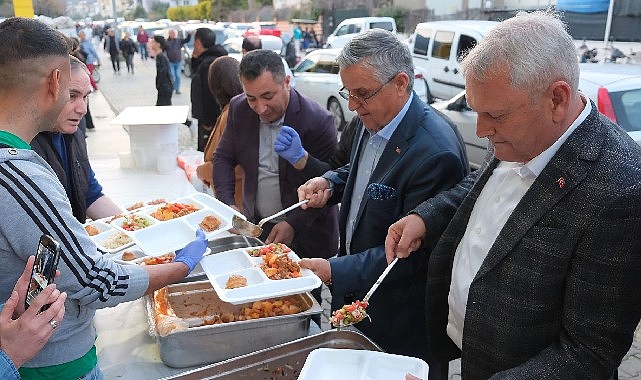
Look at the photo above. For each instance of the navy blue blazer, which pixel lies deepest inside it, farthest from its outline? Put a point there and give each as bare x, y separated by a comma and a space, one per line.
316, 229
424, 156
559, 293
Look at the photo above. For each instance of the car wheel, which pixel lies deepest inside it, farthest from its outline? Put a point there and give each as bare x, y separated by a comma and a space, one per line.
334, 107
187, 70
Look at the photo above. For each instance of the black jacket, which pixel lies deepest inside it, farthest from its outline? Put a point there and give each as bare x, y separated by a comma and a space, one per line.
79, 167
203, 105
163, 76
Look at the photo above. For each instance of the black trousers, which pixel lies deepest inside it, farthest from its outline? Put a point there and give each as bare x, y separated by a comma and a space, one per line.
115, 61
164, 98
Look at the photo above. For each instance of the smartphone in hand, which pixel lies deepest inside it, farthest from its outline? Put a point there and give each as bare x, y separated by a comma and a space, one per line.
44, 268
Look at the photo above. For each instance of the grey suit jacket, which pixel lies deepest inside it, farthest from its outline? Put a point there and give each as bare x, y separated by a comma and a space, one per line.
559, 293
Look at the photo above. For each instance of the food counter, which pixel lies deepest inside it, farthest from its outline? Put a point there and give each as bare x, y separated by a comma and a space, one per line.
125, 348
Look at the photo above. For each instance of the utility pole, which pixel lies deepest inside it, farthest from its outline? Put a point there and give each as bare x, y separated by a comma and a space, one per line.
608, 25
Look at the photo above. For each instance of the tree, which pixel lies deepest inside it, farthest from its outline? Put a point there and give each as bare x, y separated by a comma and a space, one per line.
158, 10
397, 13
139, 12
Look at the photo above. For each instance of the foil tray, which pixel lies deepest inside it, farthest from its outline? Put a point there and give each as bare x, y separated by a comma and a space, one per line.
206, 344
283, 361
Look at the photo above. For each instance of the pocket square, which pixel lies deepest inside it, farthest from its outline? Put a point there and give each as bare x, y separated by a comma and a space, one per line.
380, 192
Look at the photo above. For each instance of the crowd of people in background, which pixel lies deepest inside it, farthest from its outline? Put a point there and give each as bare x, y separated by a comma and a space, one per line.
526, 268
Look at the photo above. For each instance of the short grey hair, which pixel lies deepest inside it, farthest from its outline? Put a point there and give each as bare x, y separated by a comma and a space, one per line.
382, 52
534, 47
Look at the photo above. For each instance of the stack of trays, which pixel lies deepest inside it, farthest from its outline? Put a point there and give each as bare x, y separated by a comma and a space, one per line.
159, 237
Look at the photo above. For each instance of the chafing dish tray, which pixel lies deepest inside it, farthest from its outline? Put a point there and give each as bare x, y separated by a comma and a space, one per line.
210, 343
284, 361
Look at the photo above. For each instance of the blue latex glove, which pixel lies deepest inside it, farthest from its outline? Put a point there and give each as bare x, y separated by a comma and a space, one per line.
288, 145
193, 252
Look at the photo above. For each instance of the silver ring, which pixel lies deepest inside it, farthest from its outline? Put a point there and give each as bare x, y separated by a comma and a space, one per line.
53, 323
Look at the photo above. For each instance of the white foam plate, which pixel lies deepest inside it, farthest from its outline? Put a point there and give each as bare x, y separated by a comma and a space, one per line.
117, 257
220, 266
102, 237
167, 236
360, 365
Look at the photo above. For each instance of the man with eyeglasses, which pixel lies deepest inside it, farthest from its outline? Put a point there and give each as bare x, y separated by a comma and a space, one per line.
256, 118
405, 152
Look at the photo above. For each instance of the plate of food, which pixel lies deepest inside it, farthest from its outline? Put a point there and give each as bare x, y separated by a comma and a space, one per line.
169, 226
252, 274
360, 364
112, 241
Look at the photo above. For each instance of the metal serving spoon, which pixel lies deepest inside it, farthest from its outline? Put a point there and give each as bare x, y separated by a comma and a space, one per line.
247, 228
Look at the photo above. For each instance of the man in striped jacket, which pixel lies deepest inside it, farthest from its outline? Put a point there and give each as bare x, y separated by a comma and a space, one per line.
34, 87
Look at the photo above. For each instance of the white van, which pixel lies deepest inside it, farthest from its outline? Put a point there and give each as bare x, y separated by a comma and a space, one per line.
437, 48
350, 27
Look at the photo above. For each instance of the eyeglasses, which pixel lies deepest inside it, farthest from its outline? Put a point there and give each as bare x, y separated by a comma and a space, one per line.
345, 94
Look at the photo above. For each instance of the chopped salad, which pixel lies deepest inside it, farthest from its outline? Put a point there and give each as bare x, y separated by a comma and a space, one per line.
273, 248
349, 314
135, 222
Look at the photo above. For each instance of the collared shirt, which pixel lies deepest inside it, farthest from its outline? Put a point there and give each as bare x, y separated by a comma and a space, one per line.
374, 146
268, 200
499, 197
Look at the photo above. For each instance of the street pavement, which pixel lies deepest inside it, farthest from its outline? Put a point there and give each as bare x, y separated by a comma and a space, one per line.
118, 91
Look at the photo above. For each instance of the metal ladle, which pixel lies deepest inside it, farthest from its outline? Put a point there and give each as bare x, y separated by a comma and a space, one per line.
247, 228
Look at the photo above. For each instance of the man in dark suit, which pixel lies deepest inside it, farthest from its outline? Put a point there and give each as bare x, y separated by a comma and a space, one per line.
203, 105
404, 153
536, 273
270, 182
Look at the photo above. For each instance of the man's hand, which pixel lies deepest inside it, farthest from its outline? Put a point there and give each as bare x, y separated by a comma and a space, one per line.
282, 232
22, 338
320, 267
316, 190
404, 237
288, 145
193, 252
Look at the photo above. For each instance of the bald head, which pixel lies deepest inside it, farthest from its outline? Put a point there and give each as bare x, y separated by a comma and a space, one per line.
251, 42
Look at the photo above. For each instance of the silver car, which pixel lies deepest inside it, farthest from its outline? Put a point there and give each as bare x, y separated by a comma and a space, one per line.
614, 88
317, 78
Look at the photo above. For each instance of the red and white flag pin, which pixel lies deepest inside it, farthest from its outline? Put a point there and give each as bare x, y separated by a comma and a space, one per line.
561, 182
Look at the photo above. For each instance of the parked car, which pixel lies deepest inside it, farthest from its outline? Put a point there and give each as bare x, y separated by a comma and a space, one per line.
263, 28
350, 27
237, 29
437, 48
464, 117
188, 48
234, 45
614, 88
317, 77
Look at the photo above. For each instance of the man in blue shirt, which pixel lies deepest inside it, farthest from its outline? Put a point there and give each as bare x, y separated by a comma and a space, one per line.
65, 151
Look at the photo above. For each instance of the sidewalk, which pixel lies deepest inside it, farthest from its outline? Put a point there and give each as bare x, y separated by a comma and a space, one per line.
127, 186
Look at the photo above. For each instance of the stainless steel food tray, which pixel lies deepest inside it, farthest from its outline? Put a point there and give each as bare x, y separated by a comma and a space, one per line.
213, 343
284, 361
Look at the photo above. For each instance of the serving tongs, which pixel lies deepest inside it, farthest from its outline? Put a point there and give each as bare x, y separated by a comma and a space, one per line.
247, 228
